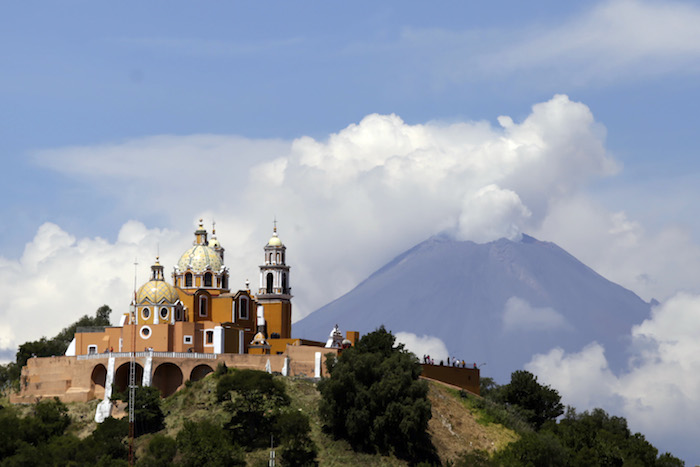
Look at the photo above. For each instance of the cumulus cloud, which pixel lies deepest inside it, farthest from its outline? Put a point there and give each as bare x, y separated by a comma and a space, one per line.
659, 394
349, 203
519, 315
423, 345
60, 278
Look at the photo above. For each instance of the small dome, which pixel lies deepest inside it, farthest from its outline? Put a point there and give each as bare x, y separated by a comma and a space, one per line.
214, 243
200, 258
275, 241
155, 291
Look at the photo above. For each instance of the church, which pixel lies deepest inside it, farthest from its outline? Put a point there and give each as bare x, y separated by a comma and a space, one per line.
181, 330
199, 312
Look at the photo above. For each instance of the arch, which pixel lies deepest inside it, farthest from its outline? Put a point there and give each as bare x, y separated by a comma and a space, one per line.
188, 279
121, 377
200, 371
99, 379
284, 282
277, 260
243, 308
167, 378
203, 306
224, 282
207, 279
270, 280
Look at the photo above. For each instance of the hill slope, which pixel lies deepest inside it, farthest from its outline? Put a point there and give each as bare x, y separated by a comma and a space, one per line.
499, 302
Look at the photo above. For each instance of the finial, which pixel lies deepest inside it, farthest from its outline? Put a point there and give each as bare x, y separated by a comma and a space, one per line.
274, 223
213, 227
201, 223
247, 285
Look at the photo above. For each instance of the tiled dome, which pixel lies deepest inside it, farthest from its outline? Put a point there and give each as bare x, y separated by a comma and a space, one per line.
200, 258
156, 291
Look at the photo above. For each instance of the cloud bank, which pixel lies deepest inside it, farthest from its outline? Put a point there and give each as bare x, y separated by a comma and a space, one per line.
659, 394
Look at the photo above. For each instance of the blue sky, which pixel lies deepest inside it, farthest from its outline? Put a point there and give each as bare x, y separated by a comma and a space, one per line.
78, 73
364, 128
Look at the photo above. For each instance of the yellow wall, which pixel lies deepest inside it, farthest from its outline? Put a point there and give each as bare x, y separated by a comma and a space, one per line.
278, 317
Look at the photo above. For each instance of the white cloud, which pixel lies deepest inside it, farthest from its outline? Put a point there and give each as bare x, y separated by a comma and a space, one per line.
60, 278
602, 42
619, 36
659, 394
349, 203
423, 345
519, 315
652, 264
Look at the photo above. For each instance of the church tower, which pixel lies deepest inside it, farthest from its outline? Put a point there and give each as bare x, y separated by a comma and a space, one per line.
275, 294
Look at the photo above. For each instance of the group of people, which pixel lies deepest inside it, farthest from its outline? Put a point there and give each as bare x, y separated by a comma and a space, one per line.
455, 362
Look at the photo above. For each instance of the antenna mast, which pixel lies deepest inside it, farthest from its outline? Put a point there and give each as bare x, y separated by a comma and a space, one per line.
132, 371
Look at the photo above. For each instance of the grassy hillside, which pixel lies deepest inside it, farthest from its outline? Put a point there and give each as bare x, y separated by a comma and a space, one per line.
456, 425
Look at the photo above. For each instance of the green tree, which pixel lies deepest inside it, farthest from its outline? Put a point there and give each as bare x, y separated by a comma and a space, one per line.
161, 451
254, 399
534, 450
148, 416
374, 399
292, 432
596, 438
204, 443
539, 403
107, 442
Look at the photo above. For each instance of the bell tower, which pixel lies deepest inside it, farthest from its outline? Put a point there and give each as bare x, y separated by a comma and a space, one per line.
275, 294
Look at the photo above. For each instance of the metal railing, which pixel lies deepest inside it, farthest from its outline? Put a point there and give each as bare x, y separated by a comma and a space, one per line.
201, 356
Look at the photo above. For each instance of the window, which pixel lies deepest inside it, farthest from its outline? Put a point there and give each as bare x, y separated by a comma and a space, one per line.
224, 282
207, 279
164, 313
146, 313
270, 280
210, 337
284, 283
187, 339
178, 314
145, 332
203, 306
188, 280
92, 349
278, 258
243, 308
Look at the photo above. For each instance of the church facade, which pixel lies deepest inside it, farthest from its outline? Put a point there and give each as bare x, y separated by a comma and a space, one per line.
199, 312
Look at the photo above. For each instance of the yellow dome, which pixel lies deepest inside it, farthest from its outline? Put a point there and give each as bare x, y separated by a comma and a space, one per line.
200, 258
214, 243
275, 241
156, 291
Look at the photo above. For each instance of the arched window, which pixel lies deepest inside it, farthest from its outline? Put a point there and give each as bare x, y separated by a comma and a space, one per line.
224, 282
188, 280
207, 279
278, 258
203, 306
270, 280
178, 314
210, 337
163, 313
243, 308
146, 313
284, 282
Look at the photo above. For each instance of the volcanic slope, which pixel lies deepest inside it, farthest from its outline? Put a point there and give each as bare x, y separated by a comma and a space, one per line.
499, 302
